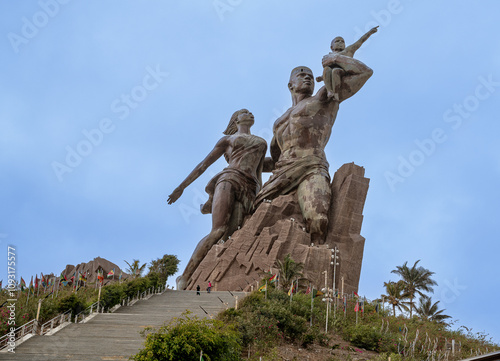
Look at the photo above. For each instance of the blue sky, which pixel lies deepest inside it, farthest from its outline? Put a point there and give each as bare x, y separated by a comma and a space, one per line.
105, 107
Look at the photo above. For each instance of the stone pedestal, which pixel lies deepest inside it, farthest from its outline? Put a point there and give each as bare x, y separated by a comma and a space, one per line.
277, 228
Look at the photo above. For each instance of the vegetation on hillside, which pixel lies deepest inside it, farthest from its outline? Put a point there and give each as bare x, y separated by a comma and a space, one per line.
59, 299
266, 321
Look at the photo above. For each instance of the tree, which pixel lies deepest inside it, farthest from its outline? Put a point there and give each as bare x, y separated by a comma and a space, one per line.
134, 269
395, 294
416, 280
426, 310
289, 270
164, 267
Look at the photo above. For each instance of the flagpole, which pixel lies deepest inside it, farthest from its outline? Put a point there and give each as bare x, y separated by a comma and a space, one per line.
312, 303
98, 298
57, 286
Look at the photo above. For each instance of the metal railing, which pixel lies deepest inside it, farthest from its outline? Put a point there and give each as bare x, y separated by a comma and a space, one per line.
488, 357
55, 322
88, 311
12, 337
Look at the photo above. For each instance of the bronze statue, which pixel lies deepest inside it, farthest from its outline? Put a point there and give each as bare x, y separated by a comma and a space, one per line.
231, 192
332, 73
298, 160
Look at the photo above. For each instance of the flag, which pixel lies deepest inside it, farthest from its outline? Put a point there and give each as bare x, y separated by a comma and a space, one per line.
121, 273
64, 283
362, 307
317, 293
22, 284
308, 290
31, 289
43, 281
263, 288
111, 273
292, 289
82, 277
100, 275
1, 284
273, 278
356, 308
37, 280
355, 294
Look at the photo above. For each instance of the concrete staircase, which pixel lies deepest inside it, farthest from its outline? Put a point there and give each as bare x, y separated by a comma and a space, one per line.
115, 336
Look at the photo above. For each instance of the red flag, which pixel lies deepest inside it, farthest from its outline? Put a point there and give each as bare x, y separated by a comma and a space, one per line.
356, 308
36, 281
308, 290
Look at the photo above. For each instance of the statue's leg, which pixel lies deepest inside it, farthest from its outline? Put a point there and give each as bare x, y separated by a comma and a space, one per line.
356, 75
235, 221
327, 78
337, 74
222, 207
314, 196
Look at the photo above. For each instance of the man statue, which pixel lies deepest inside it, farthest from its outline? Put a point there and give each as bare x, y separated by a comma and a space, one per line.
298, 160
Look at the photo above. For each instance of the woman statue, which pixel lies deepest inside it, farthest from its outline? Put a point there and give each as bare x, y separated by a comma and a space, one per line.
231, 192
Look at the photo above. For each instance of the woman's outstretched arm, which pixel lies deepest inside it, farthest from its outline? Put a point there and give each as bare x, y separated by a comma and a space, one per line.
215, 154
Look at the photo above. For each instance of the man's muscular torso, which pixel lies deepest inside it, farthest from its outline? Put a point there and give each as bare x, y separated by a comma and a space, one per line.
305, 128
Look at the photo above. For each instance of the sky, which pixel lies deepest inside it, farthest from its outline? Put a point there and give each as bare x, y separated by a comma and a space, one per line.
105, 107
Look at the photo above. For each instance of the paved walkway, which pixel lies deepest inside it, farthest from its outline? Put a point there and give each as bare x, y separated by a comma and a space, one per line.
115, 336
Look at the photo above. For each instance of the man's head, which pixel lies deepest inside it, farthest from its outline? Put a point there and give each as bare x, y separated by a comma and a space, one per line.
338, 44
301, 80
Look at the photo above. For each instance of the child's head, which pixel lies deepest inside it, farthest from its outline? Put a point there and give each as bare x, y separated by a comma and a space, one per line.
338, 44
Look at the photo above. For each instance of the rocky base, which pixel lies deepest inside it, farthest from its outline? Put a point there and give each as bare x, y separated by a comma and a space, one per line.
277, 228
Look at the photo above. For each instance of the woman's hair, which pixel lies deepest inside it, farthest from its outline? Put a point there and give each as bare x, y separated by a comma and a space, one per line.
231, 127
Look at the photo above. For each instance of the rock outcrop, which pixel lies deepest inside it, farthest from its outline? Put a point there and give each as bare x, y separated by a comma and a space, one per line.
277, 228
90, 269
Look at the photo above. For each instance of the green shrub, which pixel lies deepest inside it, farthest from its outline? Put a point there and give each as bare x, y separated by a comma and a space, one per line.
112, 295
369, 338
73, 302
184, 338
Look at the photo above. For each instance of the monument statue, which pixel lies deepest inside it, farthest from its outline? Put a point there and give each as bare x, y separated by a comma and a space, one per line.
232, 192
298, 161
298, 211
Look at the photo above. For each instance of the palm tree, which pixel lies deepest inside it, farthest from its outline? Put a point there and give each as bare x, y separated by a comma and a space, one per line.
134, 269
429, 311
395, 295
289, 270
416, 280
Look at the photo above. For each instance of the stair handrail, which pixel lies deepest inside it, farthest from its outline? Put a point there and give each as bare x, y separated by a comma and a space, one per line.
23, 330
84, 312
56, 321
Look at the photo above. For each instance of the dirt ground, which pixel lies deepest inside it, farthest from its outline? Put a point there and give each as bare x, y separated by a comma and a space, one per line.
338, 350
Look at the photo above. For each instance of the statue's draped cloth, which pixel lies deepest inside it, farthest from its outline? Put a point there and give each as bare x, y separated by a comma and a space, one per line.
245, 184
289, 173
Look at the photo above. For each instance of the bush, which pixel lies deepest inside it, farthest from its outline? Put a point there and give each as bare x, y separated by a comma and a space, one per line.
137, 285
112, 295
184, 338
73, 302
369, 338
